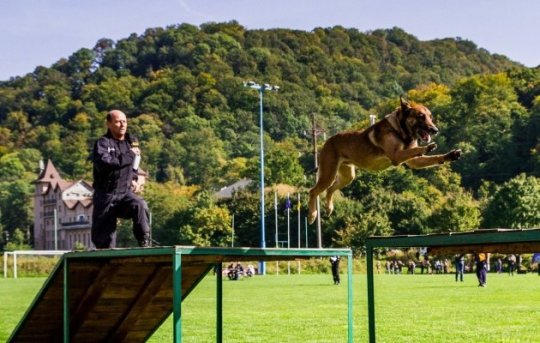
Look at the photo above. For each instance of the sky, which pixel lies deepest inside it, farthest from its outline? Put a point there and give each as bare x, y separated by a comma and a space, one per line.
40, 32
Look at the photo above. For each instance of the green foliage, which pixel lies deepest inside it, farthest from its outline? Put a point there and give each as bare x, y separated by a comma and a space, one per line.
11, 167
182, 88
15, 207
18, 241
516, 204
351, 225
458, 212
244, 205
204, 223
164, 201
485, 115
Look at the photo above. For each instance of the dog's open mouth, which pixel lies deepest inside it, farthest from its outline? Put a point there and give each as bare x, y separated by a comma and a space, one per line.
424, 135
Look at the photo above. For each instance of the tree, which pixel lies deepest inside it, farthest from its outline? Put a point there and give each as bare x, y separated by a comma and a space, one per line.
16, 205
352, 223
485, 104
201, 156
204, 223
459, 212
11, 168
282, 164
244, 206
409, 214
515, 205
165, 200
18, 241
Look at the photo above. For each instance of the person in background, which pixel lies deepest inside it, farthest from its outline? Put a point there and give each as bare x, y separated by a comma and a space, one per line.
334, 260
115, 158
459, 263
499, 266
511, 264
481, 268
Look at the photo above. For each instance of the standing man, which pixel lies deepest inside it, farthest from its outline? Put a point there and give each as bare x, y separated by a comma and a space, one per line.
115, 157
511, 264
334, 260
481, 268
459, 263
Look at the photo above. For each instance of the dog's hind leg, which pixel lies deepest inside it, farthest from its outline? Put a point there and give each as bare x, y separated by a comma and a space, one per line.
326, 177
346, 173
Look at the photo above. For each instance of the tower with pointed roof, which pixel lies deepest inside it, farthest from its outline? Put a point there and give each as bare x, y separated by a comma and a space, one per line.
62, 211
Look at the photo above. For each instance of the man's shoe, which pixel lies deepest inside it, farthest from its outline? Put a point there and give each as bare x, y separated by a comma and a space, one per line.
145, 243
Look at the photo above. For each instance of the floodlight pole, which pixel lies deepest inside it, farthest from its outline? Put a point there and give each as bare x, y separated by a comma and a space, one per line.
261, 89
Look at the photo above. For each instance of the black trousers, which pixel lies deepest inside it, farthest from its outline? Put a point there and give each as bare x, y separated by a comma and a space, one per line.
335, 271
108, 208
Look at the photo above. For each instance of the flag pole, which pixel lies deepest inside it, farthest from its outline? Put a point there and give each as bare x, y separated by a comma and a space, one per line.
277, 236
299, 233
288, 206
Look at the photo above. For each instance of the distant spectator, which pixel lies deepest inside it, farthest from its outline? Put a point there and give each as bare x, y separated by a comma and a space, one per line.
446, 266
398, 265
481, 268
411, 267
499, 265
438, 267
250, 271
334, 260
239, 269
459, 263
231, 273
511, 264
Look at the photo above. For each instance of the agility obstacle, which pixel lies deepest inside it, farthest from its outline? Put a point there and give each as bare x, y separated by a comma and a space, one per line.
124, 295
502, 241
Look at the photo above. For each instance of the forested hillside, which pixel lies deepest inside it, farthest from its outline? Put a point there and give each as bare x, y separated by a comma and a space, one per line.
182, 88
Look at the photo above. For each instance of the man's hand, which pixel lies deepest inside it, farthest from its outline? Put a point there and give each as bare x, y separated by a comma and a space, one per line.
135, 186
136, 150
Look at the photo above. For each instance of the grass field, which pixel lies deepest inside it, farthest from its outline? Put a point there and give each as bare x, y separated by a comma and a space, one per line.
309, 308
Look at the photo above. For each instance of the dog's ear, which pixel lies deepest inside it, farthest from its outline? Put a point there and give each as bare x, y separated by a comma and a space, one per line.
404, 104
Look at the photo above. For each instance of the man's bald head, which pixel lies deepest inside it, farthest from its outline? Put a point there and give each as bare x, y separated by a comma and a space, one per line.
117, 124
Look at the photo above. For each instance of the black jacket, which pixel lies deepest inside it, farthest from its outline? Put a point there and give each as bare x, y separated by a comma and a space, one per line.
113, 161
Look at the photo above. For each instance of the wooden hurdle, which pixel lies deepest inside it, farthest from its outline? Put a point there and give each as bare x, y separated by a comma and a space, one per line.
124, 295
504, 241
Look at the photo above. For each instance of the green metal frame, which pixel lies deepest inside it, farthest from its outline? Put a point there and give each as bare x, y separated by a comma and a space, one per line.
467, 240
259, 254
178, 251
65, 324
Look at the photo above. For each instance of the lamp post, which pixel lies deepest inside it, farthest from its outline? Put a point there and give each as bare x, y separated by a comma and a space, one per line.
315, 131
261, 89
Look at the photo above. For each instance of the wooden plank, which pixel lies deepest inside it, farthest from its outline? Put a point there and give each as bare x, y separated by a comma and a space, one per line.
141, 301
91, 297
126, 294
138, 260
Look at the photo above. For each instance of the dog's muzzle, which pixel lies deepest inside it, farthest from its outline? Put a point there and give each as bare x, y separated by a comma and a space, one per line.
426, 133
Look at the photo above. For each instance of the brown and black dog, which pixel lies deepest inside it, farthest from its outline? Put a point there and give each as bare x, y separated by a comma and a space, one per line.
391, 141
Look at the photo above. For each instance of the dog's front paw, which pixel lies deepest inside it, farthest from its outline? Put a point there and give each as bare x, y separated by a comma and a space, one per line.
453, 155
430, 147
